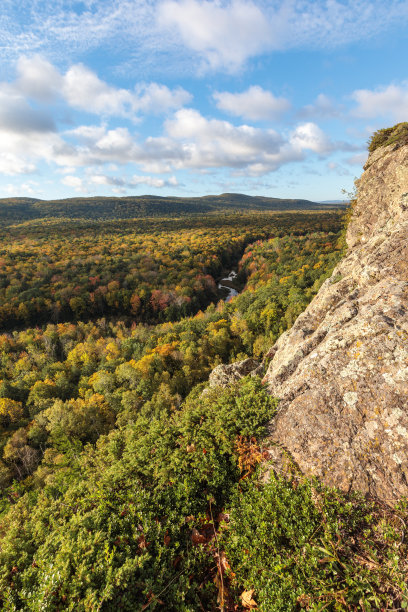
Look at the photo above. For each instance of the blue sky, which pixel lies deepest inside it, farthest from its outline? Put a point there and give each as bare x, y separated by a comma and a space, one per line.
193, 97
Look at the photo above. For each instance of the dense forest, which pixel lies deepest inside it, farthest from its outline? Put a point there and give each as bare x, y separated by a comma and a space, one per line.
149, 270
126, 482
25, 209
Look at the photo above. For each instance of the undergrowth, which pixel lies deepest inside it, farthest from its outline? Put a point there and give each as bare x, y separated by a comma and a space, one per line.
169, 513
300, 545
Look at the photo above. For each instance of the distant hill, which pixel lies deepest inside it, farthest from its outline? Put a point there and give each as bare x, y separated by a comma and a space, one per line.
24, 209
345, 202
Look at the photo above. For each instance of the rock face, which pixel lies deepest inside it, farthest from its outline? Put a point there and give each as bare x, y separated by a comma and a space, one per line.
341, 372
225, 375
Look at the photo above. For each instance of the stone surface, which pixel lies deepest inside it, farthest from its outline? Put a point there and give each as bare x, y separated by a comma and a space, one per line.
341, 372
225, 375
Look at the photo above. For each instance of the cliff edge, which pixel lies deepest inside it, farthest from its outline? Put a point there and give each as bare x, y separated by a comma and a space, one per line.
341, 371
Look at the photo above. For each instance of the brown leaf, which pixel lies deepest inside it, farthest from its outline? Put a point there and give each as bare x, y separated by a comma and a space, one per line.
190, 448
142, 542
167, 538
224, 565
247, 600
197, 537
223, 517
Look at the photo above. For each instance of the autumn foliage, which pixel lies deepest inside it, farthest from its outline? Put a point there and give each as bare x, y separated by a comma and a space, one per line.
125, 483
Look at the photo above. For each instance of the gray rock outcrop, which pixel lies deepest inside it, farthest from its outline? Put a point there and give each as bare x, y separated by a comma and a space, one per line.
341, 372
225, 375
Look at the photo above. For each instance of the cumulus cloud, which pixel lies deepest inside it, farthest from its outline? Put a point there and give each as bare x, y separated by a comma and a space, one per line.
389, 101
224, 35
74, 181
37, 78
117, 184
26, 134
323, 107
17, 116
135, 180
82, 89
155, 98
310, 136
255, 103
190, 141
11, 164
22, 189
215, 143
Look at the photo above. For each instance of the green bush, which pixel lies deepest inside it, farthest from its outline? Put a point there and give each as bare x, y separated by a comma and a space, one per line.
387, 136
301, 545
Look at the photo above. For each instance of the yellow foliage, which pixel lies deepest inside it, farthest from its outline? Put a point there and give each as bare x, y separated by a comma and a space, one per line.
143, 365
10, 410
112, 351
166, 349
284, 280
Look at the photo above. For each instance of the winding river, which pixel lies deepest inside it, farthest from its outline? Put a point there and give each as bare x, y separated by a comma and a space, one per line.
226, 283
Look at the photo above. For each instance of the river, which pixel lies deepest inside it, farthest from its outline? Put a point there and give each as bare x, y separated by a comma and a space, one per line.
227, 284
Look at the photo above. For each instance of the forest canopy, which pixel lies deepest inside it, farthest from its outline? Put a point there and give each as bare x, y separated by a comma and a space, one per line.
126, 482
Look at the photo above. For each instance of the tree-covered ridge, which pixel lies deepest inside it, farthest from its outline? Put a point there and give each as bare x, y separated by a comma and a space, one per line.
149, 270
18, 209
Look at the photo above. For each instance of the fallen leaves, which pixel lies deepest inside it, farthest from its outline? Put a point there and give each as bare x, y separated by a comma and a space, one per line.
199, 538
167, 538
142, 543
247, 600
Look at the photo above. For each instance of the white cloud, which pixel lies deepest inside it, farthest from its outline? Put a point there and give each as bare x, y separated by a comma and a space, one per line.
310, 136
223, 33
11, 164
389, 101
37, 78
226, 36
255, 103
155, 98
16, 115
27, 135
28, 188
74, 181
82, 89
134, 181
148, 180
213, 143
323, 107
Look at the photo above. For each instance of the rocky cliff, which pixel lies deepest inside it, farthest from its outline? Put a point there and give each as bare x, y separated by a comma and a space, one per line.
341, 372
